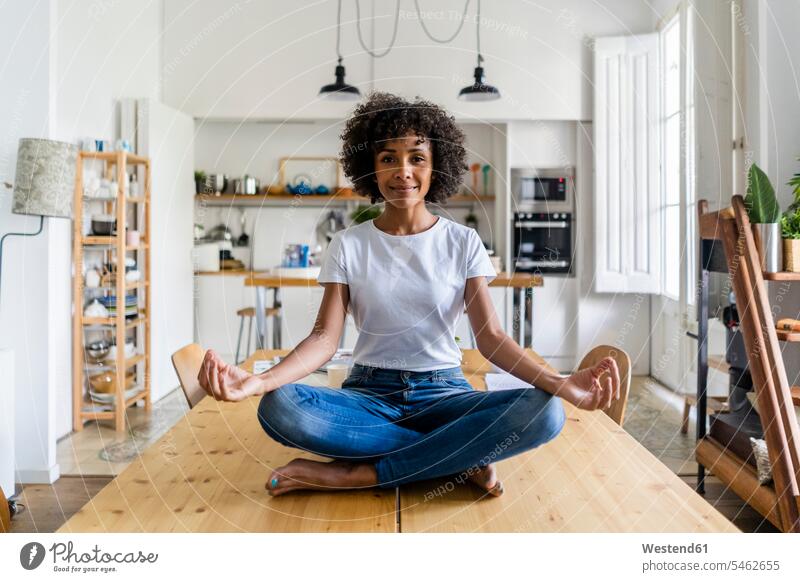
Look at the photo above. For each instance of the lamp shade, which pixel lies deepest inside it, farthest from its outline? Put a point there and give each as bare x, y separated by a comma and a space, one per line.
45, 178
340, 91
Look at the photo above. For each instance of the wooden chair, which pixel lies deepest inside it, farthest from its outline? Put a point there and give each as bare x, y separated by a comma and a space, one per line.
617, 409
187, 362
5, 514
250, 313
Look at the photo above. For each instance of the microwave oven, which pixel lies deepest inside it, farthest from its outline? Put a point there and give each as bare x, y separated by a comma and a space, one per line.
542, 189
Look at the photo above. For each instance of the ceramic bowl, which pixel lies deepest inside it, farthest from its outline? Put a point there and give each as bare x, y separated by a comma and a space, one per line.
97, 351
105, 382
103, 224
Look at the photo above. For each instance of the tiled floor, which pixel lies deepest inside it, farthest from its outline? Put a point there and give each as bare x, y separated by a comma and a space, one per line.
90, 458
99, 450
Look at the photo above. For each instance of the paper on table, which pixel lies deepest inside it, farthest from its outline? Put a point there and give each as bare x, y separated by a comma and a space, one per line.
260, 366
505, 382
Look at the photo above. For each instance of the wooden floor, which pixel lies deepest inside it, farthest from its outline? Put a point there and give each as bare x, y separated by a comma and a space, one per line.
47, 507
653, 419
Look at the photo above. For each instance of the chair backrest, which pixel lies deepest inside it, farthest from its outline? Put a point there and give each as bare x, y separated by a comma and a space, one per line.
187, 362
5, 514
617, 409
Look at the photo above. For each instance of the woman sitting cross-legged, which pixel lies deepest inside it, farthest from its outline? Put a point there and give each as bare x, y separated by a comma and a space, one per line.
406, 412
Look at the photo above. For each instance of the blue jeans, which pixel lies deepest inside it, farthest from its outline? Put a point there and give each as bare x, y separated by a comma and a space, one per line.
411, 425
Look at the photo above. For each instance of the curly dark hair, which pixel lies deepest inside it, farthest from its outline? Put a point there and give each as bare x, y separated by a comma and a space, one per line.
384, 116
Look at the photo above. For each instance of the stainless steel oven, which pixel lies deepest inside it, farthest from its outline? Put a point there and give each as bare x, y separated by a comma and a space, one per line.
543, 242
542, 189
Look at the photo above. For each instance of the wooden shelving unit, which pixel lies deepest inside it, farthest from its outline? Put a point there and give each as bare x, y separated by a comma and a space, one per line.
779, 500
133, 212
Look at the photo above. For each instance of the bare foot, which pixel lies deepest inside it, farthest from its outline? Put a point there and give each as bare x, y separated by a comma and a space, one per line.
333, 475
487, 480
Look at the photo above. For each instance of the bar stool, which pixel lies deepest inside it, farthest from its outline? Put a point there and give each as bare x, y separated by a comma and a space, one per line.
250, 312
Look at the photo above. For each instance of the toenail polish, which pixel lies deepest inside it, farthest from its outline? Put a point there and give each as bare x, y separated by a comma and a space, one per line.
273, 483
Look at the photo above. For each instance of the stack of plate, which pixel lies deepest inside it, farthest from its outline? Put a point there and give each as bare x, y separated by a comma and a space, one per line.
131, 305
103, 398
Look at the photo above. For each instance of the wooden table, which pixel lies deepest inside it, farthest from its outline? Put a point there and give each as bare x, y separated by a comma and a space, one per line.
207, 474
268, 281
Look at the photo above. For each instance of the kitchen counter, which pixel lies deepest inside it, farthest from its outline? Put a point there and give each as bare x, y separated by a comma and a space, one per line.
231, 272
265, 279
268, 281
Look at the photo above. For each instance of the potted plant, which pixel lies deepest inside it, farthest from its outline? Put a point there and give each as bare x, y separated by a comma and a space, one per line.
790, 229
363, 213
790, 232
199, 181
795, 183
764, 212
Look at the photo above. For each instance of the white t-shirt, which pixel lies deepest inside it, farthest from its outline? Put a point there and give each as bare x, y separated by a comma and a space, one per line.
406, 292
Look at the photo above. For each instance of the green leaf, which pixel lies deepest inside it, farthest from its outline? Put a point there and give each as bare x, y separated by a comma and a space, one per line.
762, 206
790, 225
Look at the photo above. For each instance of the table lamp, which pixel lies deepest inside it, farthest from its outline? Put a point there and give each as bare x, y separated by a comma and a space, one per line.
44, 183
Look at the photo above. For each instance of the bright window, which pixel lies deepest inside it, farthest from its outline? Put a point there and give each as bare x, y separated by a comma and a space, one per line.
671, 157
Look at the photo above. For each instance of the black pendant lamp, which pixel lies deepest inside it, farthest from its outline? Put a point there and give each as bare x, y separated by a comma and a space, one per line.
339, 90
479, 90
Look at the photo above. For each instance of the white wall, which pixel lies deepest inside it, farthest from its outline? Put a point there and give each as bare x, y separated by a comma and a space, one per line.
168, 140
772, 121
104, 51
29, 264
7, 423
269, 59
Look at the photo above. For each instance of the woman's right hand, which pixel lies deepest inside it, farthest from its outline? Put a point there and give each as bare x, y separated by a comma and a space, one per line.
229, 383
592, 388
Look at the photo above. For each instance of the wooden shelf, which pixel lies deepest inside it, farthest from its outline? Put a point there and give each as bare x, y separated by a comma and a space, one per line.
89, 414
788, 336
782, 276
99, 240
112, 322
344, 195
111, 241
130, 286
112, 157
129, 363
128, 199
719, 363
739, 476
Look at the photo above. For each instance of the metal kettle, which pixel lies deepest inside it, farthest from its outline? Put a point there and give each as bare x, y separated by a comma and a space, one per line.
246, 185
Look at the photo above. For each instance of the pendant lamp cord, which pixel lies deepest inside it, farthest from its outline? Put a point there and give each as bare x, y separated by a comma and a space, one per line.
478, 31
339, 32
397, 22
455, 34
361, 38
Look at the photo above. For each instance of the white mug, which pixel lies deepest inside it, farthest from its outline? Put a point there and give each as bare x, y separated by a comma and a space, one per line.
92, 278
337, 373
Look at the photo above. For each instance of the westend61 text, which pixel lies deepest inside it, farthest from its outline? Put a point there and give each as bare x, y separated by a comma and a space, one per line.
65, 554
670, 549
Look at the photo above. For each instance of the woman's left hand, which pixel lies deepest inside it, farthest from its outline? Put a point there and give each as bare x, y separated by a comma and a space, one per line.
225, 382
592, 388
